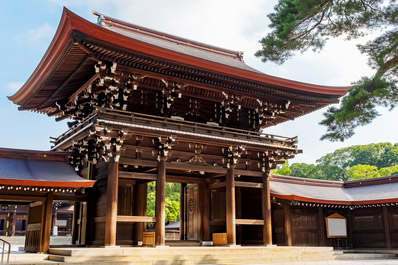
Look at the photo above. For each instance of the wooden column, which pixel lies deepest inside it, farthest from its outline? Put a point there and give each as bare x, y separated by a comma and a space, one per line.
14, 222
322, 227
387, 227
48, 211
230, 206
160, 206
266, 210
238, 194
205, 211
349, 226
76, 221
182, 211
287, 225
111, 203
140, 201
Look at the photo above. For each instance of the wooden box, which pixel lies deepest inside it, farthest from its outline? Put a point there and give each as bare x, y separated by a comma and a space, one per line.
219, 239
148, 239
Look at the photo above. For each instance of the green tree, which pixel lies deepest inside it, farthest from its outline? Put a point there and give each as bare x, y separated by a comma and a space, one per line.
283, 170
362, 172
299, 25
172, 201
388, 171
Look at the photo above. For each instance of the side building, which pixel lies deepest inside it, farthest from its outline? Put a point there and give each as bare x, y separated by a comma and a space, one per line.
149, 106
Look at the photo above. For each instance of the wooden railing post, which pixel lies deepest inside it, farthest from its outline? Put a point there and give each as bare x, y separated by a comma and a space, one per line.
111, 203
160, 206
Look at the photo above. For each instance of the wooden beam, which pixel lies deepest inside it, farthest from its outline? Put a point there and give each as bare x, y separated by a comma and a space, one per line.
266, 210
99, 219
204, 196
135, 219
48, 210
287, 225
6, 197
111, 203
249, 222
217, 185
160, 206
387, 227
245, 184
137, 175
192, 167
216, 222
138, 162
230, 206
248, 173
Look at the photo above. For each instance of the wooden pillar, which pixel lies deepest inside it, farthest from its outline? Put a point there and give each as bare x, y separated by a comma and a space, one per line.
266, 210
387, 227
111, 203
182, 211
287, 224
230, 206
48, 211
76, 222
205, 211
349, 226
160, 206
140, 202
14, 222
238, 194
322, 227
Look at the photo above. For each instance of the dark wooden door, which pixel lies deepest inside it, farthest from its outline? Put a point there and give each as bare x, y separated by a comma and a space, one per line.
193, 212
34, 229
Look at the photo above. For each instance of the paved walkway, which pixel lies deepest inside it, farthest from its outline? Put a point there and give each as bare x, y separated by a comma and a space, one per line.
344, 262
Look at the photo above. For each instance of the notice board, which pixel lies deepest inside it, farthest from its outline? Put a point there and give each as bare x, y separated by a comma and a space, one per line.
336, 226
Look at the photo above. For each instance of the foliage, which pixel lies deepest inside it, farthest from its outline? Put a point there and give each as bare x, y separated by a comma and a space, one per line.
172, 201
298, 25
350, 163
283, 170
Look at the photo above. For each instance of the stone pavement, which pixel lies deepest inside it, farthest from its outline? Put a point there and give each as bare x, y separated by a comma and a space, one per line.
343, 262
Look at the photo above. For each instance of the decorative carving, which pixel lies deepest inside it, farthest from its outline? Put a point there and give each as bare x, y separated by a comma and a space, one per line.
197, 158
269, 159
110, 90
267, 111
101, 143
164, 145
233, 154
170, 92
229, 102
191, 205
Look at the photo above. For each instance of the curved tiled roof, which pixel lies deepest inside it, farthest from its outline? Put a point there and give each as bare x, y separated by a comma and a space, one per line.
379, 190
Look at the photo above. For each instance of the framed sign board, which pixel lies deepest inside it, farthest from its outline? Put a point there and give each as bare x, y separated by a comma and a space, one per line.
336, 226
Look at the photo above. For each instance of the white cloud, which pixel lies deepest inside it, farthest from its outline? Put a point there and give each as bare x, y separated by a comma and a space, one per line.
43, 32
14, 86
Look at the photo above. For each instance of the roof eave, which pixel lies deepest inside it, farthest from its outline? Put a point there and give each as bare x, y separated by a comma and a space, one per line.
70, 21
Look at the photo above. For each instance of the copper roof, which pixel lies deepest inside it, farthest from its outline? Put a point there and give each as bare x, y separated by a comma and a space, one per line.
370, 191
69, 63
27, 168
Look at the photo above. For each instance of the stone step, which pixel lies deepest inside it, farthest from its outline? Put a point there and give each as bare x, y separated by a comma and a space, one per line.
366, 256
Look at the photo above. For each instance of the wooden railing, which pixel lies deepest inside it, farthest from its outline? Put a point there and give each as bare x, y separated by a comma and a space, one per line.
182, 125
4, 251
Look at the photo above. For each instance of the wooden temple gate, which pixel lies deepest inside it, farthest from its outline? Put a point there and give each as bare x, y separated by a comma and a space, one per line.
166, 109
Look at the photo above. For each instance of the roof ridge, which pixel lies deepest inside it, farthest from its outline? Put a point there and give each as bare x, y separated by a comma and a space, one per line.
104, 20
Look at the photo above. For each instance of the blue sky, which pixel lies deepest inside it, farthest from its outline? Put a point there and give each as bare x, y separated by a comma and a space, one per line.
27, 28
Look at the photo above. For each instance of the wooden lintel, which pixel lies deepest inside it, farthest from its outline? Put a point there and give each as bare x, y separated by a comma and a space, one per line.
216, 222
5, 197
193, 167
245, 184
184, 179
72, 197
217, 185
136, 175
135, 219
138, 162
249, 222
249, 173
100, 219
